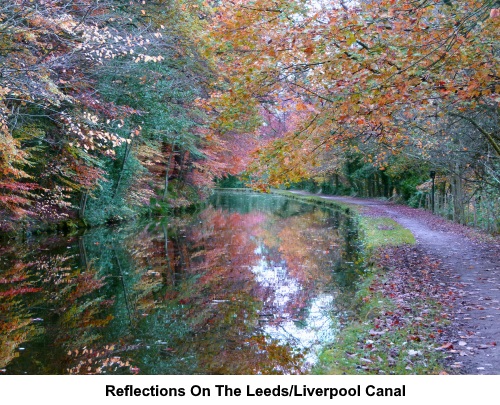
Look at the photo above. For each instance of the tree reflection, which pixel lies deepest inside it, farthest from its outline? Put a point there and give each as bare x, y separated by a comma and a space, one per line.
196, 295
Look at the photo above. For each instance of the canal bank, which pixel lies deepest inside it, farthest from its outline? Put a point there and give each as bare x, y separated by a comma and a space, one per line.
253, 283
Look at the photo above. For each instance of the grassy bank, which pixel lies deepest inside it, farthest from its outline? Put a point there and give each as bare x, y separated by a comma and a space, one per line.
387, 335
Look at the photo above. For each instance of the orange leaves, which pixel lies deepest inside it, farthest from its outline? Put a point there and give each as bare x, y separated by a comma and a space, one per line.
300, 106
351, 39
360, 120
309, 48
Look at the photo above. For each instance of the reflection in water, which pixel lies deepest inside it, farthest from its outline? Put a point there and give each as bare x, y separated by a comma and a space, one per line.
253, 284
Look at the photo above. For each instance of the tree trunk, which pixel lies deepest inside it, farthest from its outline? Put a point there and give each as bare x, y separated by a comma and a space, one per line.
83, 204
128, 148
167, 171
458, 198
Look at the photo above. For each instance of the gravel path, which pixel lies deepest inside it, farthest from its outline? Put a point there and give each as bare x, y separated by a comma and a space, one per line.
471, 262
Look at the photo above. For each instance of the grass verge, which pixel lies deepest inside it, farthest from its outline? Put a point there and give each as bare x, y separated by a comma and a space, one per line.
380, 232
386, 335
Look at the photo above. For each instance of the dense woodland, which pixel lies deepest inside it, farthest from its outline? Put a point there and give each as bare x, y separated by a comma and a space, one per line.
114, 109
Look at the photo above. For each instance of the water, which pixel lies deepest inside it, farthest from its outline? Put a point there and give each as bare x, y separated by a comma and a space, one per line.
252, 284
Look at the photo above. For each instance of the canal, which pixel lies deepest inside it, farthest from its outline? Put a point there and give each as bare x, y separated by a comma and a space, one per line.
250, 284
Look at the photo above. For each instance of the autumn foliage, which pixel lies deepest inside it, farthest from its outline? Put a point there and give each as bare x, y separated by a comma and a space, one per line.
111, 111
98, 110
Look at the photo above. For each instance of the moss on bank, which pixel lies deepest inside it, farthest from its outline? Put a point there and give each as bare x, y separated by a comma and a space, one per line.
380, 232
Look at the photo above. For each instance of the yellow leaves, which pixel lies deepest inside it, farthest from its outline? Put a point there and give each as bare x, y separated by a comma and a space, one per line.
4, 91
350, 39
148, 58
361, 67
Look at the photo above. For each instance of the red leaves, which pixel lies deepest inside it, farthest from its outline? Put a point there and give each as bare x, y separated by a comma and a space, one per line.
412, 281
13, 279
363, 64
18, 291
309, 49
487, 346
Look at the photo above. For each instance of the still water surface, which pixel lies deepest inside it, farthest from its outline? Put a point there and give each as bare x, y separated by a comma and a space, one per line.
251, 284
